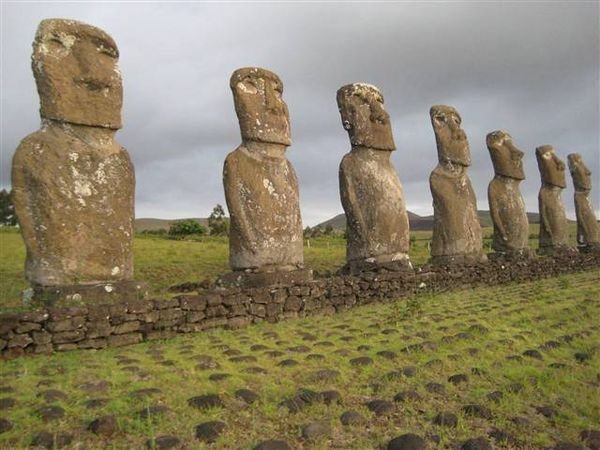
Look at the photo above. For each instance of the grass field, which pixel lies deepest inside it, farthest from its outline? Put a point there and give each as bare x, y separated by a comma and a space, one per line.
163, 262
520, 363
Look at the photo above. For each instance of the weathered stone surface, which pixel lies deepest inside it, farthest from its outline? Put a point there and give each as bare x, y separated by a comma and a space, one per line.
507, 207
206, 401
273, 444
19, 341
124, 339
26, 327
316, 430
104, 425
370, 190
456, 230
349, 418
163, 442
247, 279
51, 412
210, 431
553, 220
479, 443
46, 439
588, 229
446, 419
247, 395
73, 183
5, 425
75, 70
407, 442
261, 188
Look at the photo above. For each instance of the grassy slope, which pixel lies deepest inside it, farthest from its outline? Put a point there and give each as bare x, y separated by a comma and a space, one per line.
516, 318
163, 263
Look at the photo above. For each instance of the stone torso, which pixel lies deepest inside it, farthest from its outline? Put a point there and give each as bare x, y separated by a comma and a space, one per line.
263, 201
588, 229
507, 208
74, 200
371, 194
456, 229
553, 221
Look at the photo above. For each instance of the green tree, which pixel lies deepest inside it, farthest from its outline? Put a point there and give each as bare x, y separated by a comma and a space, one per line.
218, 222
7, 209
316, 231
186, 227
307, 232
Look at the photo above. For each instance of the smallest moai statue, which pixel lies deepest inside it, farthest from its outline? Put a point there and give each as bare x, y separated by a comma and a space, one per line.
588, 229
507, 207
554, 234
370, 190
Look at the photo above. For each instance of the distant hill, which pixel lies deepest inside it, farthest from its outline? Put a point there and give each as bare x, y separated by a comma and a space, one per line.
421, 223
417, 223
149, 224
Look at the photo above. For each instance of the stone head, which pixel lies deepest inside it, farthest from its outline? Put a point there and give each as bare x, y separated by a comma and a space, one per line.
552, 169
261, 111
582, 177
506, 158
452, 143
76, 72
364, 116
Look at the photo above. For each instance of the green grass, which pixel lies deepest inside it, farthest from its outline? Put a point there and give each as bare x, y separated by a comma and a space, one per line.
164, 262
515, 318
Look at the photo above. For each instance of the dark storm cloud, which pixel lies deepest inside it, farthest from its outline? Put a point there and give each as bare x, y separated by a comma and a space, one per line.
529, 68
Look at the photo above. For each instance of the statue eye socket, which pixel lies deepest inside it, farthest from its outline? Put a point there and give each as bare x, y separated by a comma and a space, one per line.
347, 125
440, 118
107, 52
54, 43
247, 86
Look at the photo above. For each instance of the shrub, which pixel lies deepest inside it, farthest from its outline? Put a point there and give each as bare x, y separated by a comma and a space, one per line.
218, 222
186, 227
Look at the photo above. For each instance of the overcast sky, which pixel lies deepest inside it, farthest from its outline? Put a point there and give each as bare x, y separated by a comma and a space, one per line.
530, 68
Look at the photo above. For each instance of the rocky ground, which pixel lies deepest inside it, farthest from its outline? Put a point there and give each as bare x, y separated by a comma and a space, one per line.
514, 367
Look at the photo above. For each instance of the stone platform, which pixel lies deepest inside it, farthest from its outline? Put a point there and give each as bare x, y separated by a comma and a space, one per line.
129, 320
243, 279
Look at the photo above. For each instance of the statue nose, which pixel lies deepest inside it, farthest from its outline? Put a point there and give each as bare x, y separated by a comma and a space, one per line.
459, 134
378, 113
95, 76
272, 103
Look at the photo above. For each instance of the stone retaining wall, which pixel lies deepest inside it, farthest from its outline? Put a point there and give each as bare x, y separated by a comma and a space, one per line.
132, 321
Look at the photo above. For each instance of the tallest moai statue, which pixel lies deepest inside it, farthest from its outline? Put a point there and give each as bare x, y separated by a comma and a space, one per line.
73, 183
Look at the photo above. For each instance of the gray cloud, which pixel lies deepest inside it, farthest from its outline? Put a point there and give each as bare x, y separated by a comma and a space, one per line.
530, 68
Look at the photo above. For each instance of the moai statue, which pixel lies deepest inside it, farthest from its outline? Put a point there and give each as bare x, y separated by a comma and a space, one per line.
553, 220
588, 229
456, 230
507, 207
370, 190
73, 183
261, 188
